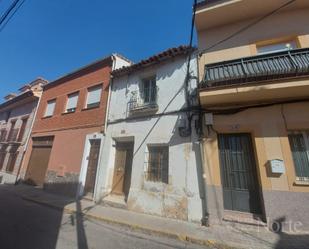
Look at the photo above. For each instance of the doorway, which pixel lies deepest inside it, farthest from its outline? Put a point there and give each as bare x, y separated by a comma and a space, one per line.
123, 168
39, 159
92, 167
239, 173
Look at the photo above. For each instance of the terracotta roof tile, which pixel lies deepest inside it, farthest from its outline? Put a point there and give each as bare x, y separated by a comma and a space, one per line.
157, 58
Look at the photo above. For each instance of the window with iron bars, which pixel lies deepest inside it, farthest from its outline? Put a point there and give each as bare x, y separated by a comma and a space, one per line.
157, 164
299, 142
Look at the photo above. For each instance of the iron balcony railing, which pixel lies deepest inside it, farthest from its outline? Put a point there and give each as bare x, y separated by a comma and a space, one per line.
147, 101
278, 65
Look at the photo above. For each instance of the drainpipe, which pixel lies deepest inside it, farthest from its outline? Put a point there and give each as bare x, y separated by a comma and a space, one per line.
109, 94
105, 127
205, 218
28, 138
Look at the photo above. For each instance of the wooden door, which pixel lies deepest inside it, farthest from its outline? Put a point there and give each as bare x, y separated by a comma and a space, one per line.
92, 167
39, 159
238, 173
122, 169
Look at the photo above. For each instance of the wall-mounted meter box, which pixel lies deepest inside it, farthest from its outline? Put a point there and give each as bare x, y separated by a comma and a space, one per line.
277, 166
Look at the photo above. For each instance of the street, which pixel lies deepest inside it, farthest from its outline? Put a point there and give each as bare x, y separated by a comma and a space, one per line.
25, 224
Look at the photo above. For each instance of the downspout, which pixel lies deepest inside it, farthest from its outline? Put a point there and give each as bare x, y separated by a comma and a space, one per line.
205, 218
105, 126
109, 94
28, 138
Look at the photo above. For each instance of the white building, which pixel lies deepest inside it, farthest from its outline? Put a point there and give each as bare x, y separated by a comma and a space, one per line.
146, 166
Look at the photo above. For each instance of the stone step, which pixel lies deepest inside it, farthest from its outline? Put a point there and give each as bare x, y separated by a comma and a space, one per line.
116, 201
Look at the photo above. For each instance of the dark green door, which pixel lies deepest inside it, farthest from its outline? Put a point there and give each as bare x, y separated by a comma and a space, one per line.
238, 173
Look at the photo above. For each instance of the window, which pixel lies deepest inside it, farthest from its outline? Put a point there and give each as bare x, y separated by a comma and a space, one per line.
2, 156
13, 132
149, 90
3, 135
276, 47
94, 97
50, 108
12, 159
22, 130
72, 102
157, 170
299, 142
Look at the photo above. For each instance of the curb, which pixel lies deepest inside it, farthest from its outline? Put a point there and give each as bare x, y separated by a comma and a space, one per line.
134, 227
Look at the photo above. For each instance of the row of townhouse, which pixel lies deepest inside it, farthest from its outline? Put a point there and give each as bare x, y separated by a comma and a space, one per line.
214, 134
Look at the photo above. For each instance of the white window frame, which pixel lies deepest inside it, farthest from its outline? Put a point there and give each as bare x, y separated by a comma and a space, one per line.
72, 101
50, 102
94, 104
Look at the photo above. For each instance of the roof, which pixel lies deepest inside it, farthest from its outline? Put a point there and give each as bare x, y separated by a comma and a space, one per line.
17, 99
78, 70
155, 59
201, 3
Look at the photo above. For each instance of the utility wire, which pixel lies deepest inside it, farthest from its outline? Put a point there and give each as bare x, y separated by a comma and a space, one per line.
248, 26
6, 17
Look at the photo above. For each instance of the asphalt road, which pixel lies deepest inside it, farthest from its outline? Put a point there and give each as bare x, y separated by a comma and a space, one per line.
26, 225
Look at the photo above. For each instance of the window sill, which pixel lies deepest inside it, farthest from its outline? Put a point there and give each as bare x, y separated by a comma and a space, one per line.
46, 117
90, 108
301, 183
66, 113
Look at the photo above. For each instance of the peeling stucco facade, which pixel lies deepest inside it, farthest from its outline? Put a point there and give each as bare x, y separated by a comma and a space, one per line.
180, 197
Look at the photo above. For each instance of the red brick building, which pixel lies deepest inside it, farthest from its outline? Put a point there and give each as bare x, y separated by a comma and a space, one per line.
64, 150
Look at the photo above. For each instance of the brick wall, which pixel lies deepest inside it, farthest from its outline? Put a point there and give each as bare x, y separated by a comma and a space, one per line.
91, 76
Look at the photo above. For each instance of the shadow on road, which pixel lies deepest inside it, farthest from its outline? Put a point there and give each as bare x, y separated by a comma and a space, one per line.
26, 224
289, 241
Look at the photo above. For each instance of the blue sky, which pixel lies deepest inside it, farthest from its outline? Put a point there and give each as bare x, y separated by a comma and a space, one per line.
49, 38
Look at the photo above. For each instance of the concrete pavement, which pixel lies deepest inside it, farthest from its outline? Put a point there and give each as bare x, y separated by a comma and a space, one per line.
222, 236
28, 225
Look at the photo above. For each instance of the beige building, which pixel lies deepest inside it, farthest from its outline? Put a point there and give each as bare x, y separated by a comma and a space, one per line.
254, 90
17, 113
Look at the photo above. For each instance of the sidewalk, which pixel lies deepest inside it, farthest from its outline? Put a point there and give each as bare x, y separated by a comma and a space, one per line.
220, 236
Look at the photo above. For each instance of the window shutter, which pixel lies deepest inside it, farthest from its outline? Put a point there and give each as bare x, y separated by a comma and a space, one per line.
72, 101
94, 96
50, 108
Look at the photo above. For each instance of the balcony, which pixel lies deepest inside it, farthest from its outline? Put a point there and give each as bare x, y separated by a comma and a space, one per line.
143, 104
275, 75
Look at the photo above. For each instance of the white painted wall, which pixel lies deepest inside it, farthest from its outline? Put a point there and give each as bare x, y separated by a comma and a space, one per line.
180, 198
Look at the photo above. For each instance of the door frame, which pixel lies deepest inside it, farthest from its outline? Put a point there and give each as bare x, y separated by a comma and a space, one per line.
256, 168
84, 164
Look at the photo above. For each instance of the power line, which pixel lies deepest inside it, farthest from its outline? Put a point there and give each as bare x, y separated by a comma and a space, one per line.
248, 26
6, 17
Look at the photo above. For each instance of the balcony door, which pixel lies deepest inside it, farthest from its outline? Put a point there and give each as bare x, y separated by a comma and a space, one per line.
238, 173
